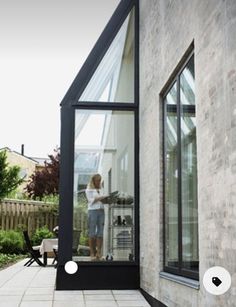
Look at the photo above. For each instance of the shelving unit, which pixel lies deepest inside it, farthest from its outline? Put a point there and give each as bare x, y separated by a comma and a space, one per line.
121, 232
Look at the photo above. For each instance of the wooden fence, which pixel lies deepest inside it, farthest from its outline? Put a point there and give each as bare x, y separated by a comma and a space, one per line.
18, 214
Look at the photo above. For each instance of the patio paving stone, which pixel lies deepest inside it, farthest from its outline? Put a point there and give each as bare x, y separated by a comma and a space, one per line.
38, 297
66, 297
64, 304
36, 304
34, 286
98, 297
97, 292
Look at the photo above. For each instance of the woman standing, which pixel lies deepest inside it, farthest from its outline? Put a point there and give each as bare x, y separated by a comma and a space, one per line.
96, 216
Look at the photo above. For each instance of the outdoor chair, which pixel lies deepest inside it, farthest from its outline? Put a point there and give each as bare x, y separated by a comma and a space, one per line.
33, 250
55, 250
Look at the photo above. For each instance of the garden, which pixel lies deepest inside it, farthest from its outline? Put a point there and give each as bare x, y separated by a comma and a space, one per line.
34, 209
12, 244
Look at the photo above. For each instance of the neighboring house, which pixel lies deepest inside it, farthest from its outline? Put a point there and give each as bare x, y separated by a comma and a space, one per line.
27, 165
41, 163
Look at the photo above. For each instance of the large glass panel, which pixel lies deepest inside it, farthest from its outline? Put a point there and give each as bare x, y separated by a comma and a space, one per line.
103, 221
189, 169
171, 181
113, 80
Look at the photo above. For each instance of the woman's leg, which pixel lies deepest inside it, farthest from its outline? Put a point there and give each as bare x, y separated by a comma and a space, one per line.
100, 226
92, 217
99, 242
92, 246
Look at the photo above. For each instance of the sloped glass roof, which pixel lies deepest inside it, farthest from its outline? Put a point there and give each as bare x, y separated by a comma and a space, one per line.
113, 80
87, 162
90, 129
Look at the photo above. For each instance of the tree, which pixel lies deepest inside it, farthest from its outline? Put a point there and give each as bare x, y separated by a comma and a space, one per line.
46, 181
9, 176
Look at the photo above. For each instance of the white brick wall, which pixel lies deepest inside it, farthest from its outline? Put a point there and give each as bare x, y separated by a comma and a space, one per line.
167, 28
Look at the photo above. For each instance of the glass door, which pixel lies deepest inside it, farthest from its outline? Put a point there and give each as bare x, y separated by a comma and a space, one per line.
104, 203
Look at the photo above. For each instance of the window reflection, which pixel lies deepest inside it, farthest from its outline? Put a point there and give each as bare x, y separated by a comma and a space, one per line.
171, 191
171, 97
189, 169
171, 181
187, 84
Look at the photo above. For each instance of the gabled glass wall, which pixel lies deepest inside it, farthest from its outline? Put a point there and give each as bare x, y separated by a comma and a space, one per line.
99, 171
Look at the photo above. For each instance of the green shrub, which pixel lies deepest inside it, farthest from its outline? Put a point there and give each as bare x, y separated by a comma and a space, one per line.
40, 234
83, 239
11, 242
6, 259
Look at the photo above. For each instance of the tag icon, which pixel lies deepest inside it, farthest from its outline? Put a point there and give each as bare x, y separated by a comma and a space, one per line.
217, 280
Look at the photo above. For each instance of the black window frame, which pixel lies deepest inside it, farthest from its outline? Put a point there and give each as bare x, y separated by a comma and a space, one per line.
175, 78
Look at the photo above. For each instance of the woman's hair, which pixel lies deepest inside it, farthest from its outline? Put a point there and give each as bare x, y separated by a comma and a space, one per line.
91, 182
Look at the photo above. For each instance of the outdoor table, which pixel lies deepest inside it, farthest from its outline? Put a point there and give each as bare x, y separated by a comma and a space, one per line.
46, 246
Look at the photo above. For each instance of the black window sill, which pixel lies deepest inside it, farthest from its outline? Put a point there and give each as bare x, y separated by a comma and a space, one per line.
181, 280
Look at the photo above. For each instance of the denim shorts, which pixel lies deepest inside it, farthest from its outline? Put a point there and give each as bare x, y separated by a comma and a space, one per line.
96, 222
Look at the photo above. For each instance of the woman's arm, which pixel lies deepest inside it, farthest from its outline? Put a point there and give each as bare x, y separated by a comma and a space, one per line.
99, 198
91, 196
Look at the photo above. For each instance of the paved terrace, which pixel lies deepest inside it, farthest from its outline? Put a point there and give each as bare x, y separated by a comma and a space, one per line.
34, 287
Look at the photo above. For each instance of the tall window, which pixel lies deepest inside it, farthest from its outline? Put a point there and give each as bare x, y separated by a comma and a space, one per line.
180, 177
104, 140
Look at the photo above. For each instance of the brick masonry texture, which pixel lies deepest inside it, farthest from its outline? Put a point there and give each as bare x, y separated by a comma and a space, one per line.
167, 28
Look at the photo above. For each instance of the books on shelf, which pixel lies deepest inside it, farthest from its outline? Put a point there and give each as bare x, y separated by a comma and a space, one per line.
115, 198
111, 198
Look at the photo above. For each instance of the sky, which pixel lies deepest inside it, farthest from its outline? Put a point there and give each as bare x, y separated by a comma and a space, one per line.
43, 44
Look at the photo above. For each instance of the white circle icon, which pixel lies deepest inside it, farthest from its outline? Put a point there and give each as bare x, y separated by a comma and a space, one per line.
217, 280
71, 267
